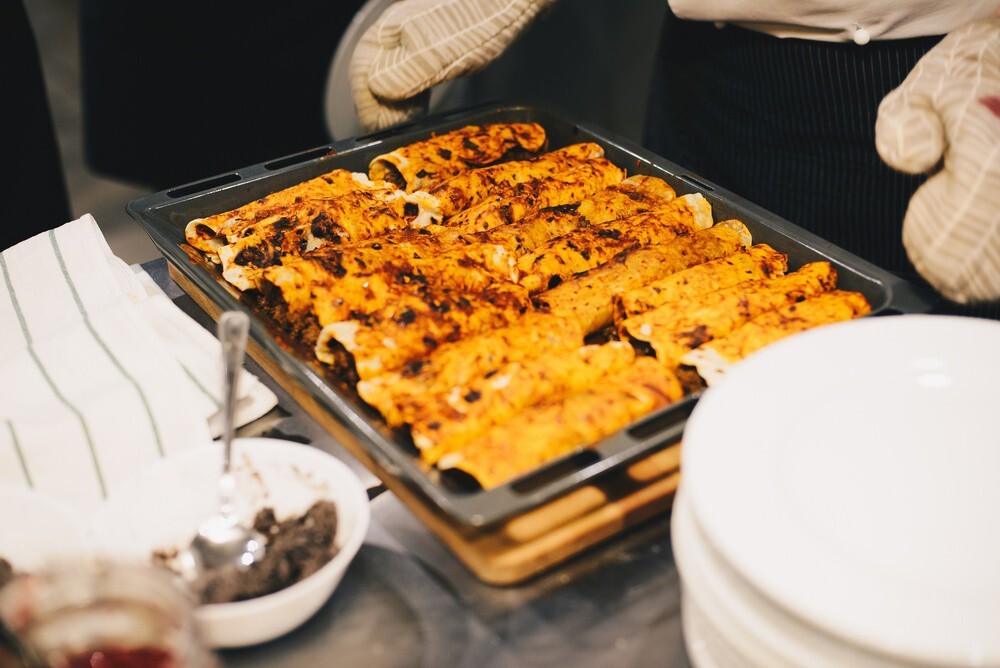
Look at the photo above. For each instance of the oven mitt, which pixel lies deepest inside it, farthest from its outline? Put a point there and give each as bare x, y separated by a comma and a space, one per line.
945, 119
417, 44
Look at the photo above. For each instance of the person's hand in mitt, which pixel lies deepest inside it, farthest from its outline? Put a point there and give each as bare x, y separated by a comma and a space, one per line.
945, 117
417, 44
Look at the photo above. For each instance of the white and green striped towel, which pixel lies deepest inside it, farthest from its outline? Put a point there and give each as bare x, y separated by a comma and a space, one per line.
100, 374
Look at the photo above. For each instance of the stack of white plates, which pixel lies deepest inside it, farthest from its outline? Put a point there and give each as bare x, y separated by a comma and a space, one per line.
840, 502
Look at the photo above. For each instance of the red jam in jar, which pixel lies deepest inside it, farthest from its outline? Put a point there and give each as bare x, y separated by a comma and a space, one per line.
122, 657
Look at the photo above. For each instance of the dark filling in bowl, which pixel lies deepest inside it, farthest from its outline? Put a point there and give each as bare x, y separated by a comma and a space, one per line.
296, 548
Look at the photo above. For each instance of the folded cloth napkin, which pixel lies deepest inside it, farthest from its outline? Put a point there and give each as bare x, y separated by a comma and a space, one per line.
100, 374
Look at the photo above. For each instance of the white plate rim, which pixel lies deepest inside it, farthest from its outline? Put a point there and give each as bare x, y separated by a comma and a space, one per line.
706, 436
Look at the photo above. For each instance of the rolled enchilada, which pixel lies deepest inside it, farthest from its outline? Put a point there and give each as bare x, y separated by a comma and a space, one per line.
713, 359
423, 164
462, 362
416, 323
472, 187
444, 422
352, 217
632, 196
548, 430
588, 247
588, 299
521, 200
674, 329
208, 234
758, 262
319, 289
330, 283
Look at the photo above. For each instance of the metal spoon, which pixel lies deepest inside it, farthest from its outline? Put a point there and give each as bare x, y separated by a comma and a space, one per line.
221, 539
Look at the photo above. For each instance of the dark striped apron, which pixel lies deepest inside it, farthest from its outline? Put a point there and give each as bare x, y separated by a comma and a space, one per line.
789, 124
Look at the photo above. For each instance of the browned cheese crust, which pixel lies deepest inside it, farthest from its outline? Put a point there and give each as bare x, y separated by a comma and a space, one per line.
418, 322
318, 287
423, 164
551, 429
562, 187
588, 247
348, 218
470, 188
462, 362
712, 359
674, 329
758, 262
632, 196
629, 197
204, 233
588, 298
444, 422
334, 283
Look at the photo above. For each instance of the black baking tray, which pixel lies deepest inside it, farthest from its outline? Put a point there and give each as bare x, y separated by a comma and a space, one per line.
165, 214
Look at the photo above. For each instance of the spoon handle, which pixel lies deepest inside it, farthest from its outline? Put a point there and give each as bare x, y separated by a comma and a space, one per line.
233, 328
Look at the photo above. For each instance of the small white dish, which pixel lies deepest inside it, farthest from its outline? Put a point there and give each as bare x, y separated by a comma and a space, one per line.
848, 476
36, 531
162, 508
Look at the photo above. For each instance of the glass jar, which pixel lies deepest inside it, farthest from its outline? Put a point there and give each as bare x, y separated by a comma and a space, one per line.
100, 614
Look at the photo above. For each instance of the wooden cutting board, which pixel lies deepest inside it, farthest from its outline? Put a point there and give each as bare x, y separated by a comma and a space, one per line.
528, 544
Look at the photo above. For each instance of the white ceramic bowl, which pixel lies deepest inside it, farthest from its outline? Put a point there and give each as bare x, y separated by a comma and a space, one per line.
163, 507
839, 503
36, 531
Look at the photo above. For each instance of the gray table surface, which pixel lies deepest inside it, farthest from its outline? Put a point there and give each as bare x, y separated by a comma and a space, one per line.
406, 601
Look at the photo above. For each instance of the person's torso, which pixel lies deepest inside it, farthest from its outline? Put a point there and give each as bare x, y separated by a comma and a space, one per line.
839, 20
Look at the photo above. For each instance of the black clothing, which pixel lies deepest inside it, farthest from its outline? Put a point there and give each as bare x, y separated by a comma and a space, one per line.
32, 188
175, 92
790, 125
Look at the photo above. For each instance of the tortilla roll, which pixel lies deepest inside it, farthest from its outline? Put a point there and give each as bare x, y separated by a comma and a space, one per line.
205, 233
424, 163
328, 264
713, 359
758, 262
335, 261
635, 194
414, 324
313, 289
300, 293
674, 329
402, 245
591, 246
303, 281
297, 229
546, 431
333, 284
460, 363
472, 187
588, 299
630, 197
560, 188
441, 423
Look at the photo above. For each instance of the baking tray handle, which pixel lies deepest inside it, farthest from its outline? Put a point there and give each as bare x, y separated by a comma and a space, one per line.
911, 297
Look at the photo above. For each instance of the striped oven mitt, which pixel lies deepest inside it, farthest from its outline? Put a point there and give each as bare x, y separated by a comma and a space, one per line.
949, 107
417, 44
